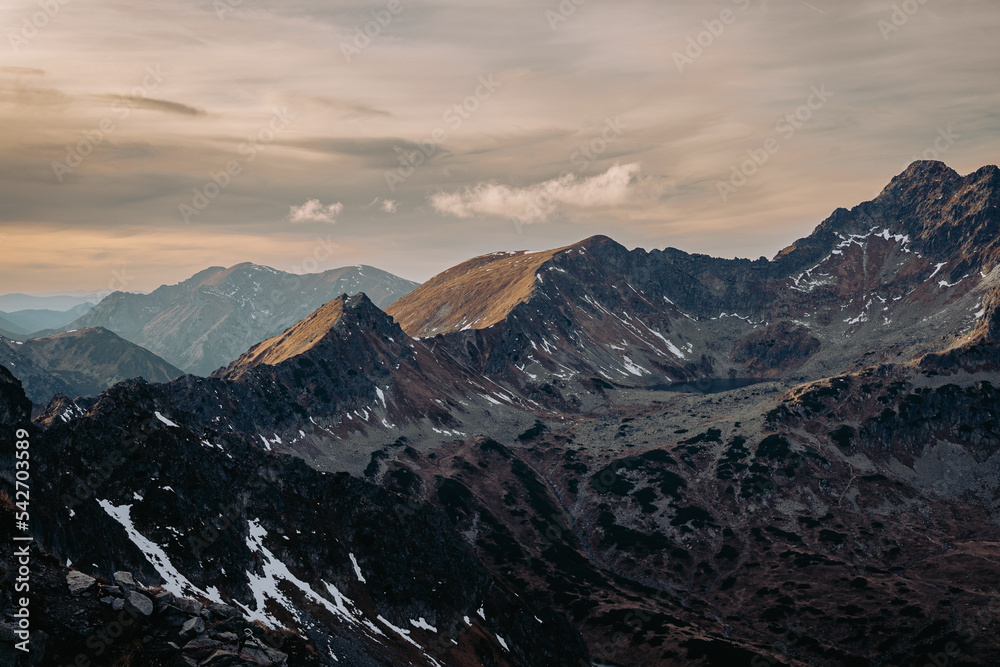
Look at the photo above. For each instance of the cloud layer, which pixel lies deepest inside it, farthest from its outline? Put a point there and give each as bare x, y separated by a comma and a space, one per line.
465, 114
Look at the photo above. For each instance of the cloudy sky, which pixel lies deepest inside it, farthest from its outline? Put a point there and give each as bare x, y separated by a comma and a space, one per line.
142, 141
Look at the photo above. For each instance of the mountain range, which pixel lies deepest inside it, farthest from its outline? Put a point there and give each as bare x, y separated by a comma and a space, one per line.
80, 362
206, 321
587, 455
24, 322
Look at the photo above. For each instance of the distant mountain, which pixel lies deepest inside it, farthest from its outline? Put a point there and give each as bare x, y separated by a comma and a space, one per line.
60, 301
31, 321
209, 320
82, 362
9, 328
39, 385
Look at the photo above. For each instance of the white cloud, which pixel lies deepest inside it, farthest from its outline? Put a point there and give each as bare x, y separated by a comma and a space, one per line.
384, 205
314, 211
619, 185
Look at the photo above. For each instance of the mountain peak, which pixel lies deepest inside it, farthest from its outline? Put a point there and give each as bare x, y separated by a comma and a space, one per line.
298, 338
919, 177
594, 241
482, 291
473, 295
311, 331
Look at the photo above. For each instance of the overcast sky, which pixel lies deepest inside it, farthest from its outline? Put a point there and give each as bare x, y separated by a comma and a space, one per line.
459, 127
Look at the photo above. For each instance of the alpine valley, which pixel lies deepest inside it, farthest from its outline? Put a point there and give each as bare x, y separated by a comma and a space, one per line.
582, 456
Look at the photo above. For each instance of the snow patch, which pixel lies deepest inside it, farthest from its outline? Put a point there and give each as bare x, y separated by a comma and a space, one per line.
422, 624
405, 634
176, 582
165, 420
357, 569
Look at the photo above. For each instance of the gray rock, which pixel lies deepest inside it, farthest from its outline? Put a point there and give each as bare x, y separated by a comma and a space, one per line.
79, 582
195, 626
107, 599
230, 637
224, 610
201, 643
112, 590
139, 603
117, 604
173, 616
202, 648
125, 580
188, 606
267, 657
163, 599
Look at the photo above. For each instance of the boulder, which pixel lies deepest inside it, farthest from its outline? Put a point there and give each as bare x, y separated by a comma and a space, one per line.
125, 580
79, 582
163, 599
188, 606
223, 611
139, 602
173, 616
195, 626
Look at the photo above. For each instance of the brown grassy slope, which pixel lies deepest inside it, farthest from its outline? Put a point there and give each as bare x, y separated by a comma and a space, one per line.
475, 294
295, 340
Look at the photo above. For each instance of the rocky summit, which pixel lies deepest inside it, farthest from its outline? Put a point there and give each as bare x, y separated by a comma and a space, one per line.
584, 456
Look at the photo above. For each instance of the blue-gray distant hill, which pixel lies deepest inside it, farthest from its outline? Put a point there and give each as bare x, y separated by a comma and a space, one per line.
40, 319
81, 362
210, 319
